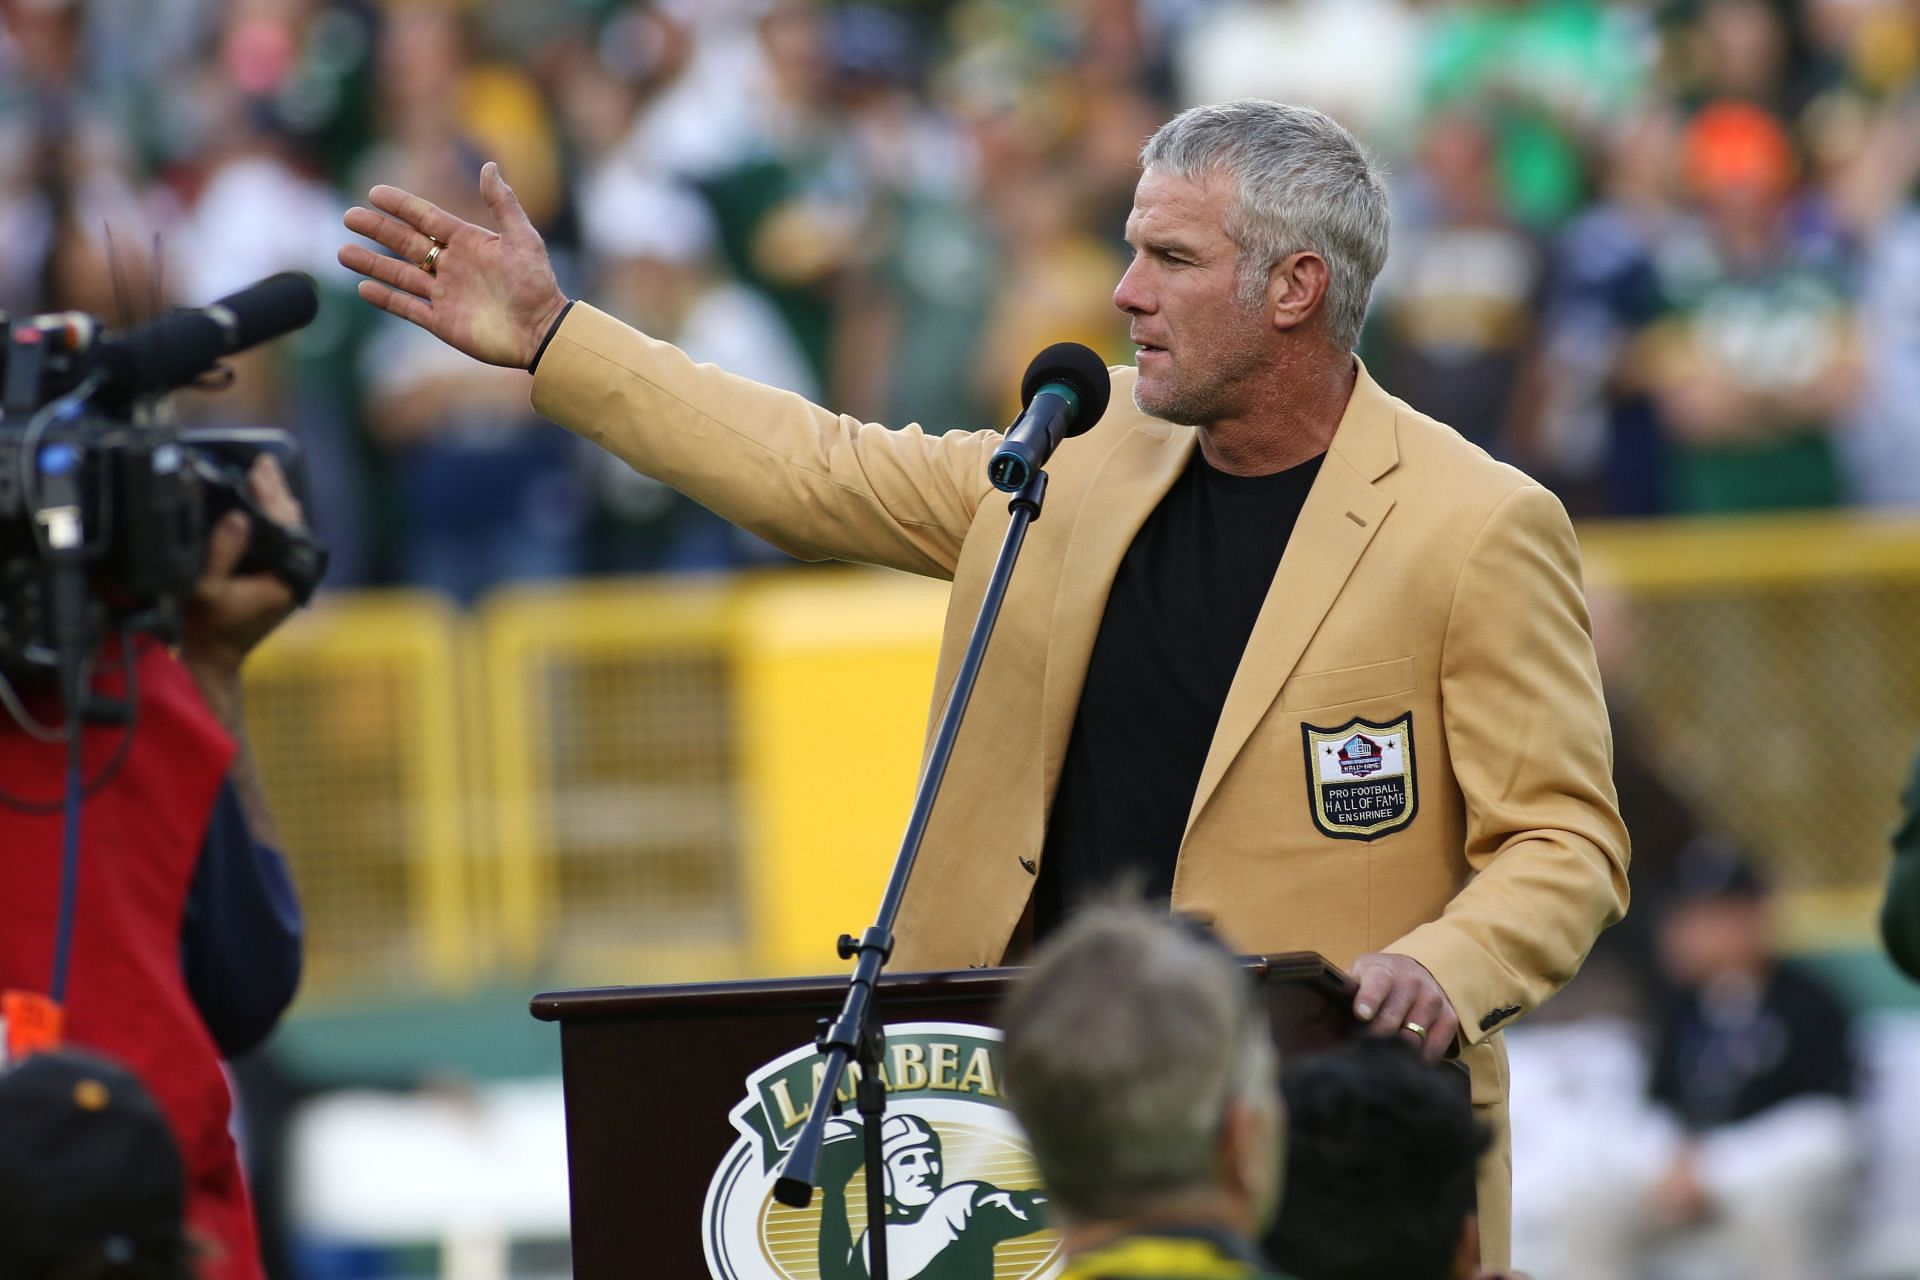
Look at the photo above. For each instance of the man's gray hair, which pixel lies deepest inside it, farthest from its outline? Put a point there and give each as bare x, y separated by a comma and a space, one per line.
1303, 184
1125, 1043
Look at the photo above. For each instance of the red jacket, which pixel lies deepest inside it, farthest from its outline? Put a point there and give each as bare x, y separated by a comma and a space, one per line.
140, 838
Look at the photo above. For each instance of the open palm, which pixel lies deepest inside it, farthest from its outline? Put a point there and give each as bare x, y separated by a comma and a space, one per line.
492, 293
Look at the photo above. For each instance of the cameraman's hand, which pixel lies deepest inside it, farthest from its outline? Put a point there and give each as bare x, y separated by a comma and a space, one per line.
228, 615
491, 294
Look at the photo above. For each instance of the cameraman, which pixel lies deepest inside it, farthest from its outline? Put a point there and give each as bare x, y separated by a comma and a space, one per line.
185, 939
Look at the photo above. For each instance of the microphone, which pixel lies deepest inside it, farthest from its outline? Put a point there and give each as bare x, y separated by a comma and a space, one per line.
1064, 393
180, 346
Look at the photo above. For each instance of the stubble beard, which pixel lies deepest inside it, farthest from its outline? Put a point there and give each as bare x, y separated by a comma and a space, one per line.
1208, 395
1183, 406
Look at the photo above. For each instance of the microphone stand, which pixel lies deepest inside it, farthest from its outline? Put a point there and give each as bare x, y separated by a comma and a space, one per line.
855, 1036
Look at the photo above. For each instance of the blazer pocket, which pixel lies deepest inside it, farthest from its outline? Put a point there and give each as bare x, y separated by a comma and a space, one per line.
1309, 690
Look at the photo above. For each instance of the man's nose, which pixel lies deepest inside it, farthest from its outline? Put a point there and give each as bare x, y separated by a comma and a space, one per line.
1129, 295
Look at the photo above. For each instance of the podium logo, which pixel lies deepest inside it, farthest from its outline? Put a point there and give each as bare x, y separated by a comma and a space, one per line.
963, 1199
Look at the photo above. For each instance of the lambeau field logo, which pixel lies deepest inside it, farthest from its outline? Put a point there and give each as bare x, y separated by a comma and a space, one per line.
963, 1199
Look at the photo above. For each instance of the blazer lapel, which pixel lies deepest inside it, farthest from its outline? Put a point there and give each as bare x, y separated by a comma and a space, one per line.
1130, 484
1342, 514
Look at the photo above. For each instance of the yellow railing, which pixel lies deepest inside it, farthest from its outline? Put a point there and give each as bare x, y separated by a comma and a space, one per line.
833, 675
635, 780
353, 714
1770, 668
613, 781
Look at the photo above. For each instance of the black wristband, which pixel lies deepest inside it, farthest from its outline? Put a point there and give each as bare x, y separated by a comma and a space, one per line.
558, 320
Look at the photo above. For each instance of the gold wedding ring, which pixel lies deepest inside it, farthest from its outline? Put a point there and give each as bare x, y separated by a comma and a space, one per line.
433, 256
1416, 1028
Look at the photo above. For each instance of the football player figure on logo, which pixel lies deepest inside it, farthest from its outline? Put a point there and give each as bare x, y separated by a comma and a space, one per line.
935, 1230
963, 1199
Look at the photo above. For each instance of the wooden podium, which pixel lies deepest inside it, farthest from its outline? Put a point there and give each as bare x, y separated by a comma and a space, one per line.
652, 1075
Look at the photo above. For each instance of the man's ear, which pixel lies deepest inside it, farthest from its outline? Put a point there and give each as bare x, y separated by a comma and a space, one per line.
1250, 1158
1296, 288
1466, 1250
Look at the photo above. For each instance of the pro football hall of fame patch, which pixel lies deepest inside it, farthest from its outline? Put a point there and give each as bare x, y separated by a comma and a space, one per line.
1360, 780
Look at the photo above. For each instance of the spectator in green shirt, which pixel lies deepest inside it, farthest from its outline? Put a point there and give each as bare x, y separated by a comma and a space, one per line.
1552, 73
1753, 362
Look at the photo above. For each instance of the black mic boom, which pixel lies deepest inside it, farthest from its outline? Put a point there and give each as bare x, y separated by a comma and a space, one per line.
1065, 392
180, 346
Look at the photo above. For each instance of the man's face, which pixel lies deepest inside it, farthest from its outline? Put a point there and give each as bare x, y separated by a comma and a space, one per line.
1703, 940
913, 1176
1197, 343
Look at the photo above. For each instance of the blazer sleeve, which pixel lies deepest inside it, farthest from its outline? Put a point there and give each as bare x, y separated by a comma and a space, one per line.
815, 484
1527, 733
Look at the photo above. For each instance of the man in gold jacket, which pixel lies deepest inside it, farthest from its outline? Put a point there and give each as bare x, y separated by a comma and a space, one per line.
1281, 648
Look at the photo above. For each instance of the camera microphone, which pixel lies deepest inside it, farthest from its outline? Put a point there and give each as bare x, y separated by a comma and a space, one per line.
178, 347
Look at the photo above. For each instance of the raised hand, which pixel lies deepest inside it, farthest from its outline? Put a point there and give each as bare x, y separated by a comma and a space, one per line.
491, 294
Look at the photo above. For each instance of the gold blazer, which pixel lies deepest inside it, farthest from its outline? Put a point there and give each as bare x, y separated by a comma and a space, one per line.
1429, 603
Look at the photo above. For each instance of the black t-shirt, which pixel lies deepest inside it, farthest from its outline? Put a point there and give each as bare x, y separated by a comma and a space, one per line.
1721, 1066
1181, 609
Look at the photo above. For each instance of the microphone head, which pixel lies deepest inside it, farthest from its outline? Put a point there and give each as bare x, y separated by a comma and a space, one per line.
269, 308
173, 349
1079, 368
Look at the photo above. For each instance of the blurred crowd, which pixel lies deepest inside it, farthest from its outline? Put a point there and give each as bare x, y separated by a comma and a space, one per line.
1661, 254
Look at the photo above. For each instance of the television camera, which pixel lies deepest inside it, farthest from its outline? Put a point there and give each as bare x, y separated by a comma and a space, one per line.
105, 503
